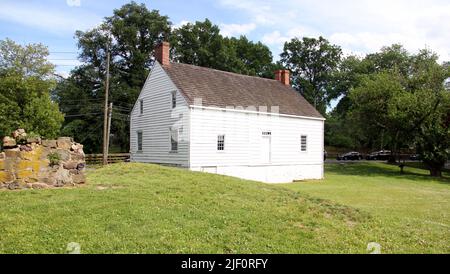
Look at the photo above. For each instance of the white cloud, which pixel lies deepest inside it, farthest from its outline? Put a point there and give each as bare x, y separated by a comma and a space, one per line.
358, 26
73, 3
58, 21
277, 39
64, 74
236, 29
274, 38
180, 24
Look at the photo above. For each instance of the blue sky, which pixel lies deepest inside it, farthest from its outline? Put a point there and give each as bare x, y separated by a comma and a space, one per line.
358, 27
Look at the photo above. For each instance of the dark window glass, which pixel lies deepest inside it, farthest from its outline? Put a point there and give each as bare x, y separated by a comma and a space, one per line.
221, 142
139, 140
174, 140
174, 99
304, 143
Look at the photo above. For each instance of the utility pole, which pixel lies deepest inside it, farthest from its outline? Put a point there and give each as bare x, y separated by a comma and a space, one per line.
105, 121
109, 127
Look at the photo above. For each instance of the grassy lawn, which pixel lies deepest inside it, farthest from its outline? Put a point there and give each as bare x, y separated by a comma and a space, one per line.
141, 208
412, 211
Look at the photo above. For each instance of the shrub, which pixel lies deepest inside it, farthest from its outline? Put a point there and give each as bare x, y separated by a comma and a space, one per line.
54, 158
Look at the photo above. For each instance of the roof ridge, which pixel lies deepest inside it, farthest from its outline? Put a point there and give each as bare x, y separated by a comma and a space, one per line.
227, 72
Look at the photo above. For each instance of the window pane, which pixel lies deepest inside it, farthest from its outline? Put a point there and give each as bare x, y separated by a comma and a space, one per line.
174, 99
304, 143
142, 106
139, 141
174, 139
221, 142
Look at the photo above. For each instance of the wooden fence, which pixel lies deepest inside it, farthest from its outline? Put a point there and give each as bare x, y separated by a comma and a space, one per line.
112, 158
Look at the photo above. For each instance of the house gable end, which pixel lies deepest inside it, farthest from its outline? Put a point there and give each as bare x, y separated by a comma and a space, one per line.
145, 89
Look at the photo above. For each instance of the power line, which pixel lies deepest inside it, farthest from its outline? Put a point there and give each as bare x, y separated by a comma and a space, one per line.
80, 105
81, 115
122, 109
80, 100
125, 104
120, 119
93, 131
118, 115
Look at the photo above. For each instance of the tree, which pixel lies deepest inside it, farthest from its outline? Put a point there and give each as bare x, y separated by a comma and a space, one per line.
313, 63
130, 35
26, 79
252, 58
352, 70
201, 44
375, 107
433, 139
407, 102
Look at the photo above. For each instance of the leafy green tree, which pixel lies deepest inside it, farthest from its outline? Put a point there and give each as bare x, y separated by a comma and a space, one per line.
312, 63
26, 79
433, 140
201, 44
374, 105
352, 70
394, 57
339, 129
130, 35
407, 102
252, 58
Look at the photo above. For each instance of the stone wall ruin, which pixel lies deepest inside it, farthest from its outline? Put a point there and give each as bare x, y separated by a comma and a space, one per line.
29, 162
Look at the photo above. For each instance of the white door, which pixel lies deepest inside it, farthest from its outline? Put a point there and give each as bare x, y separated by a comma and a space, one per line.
266, 149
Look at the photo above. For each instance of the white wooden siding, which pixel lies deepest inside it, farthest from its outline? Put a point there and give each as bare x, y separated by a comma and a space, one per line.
243, 142
157, 120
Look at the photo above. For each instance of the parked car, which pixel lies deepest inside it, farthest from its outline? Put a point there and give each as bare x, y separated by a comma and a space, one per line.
354, 156
415, 157
382, 155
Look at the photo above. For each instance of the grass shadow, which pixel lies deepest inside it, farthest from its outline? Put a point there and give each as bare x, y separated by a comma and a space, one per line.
384, 169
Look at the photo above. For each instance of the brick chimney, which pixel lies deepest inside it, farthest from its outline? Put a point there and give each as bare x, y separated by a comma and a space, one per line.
283, 77
162, 52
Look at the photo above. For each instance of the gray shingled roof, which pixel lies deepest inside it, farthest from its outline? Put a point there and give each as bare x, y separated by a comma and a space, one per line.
223, 89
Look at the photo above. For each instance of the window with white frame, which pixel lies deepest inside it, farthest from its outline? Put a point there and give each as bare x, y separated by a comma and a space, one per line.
139, 140
221, 142
174, 139
141, 106
304, 143
174, 99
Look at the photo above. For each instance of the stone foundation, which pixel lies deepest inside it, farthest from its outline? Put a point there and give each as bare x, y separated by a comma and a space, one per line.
40, 164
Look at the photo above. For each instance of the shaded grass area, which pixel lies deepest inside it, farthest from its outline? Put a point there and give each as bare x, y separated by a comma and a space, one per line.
142, 208
421, 165
411, 210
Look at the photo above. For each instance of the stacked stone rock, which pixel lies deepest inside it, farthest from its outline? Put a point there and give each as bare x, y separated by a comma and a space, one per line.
25, 163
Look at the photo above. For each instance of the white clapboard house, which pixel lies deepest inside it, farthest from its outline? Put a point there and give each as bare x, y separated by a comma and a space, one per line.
220, 122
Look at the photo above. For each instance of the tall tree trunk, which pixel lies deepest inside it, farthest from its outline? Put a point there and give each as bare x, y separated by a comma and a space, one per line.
436, 171
393, 157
